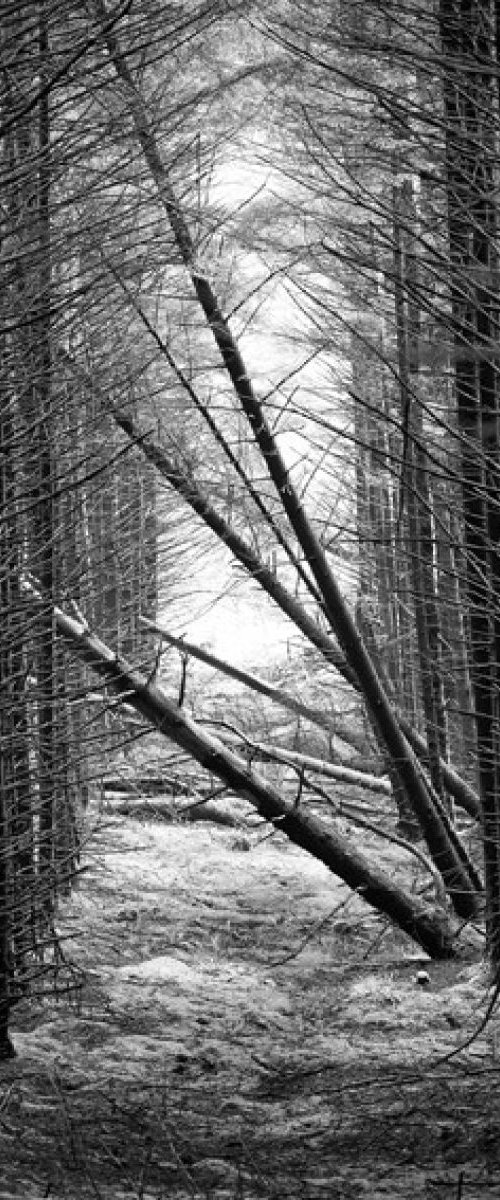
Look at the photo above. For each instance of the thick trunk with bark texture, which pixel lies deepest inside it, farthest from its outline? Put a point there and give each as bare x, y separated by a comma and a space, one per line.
470, 85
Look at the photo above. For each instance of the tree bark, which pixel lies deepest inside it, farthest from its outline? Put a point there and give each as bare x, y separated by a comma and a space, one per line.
44, 524
470, 87
415, 490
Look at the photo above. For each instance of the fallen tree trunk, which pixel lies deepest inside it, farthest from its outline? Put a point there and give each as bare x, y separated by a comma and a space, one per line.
146, 785
162, 810
333, 726
428, 926
319, 766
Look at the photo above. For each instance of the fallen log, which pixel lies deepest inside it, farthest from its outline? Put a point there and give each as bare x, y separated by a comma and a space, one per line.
146, 785
332, 725
163, 810
429, 926
341, 774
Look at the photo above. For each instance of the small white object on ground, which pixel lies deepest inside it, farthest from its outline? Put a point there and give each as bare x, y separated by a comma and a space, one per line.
423, 979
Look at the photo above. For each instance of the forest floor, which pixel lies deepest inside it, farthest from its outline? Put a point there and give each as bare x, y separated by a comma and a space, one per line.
244, 1028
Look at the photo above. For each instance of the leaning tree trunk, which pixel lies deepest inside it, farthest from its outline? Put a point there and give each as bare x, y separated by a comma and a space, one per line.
186, 487
427, 926
471, 112
449, 860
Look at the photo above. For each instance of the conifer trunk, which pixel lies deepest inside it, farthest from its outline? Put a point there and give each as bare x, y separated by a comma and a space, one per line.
468, 39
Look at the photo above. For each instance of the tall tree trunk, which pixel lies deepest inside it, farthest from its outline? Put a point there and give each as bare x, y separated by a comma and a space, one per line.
44, 530
468, 38
378, 580
456, 640
415, 486
407, 824
8, 556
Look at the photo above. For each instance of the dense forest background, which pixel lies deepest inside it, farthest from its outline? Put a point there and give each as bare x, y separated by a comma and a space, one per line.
249, 421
